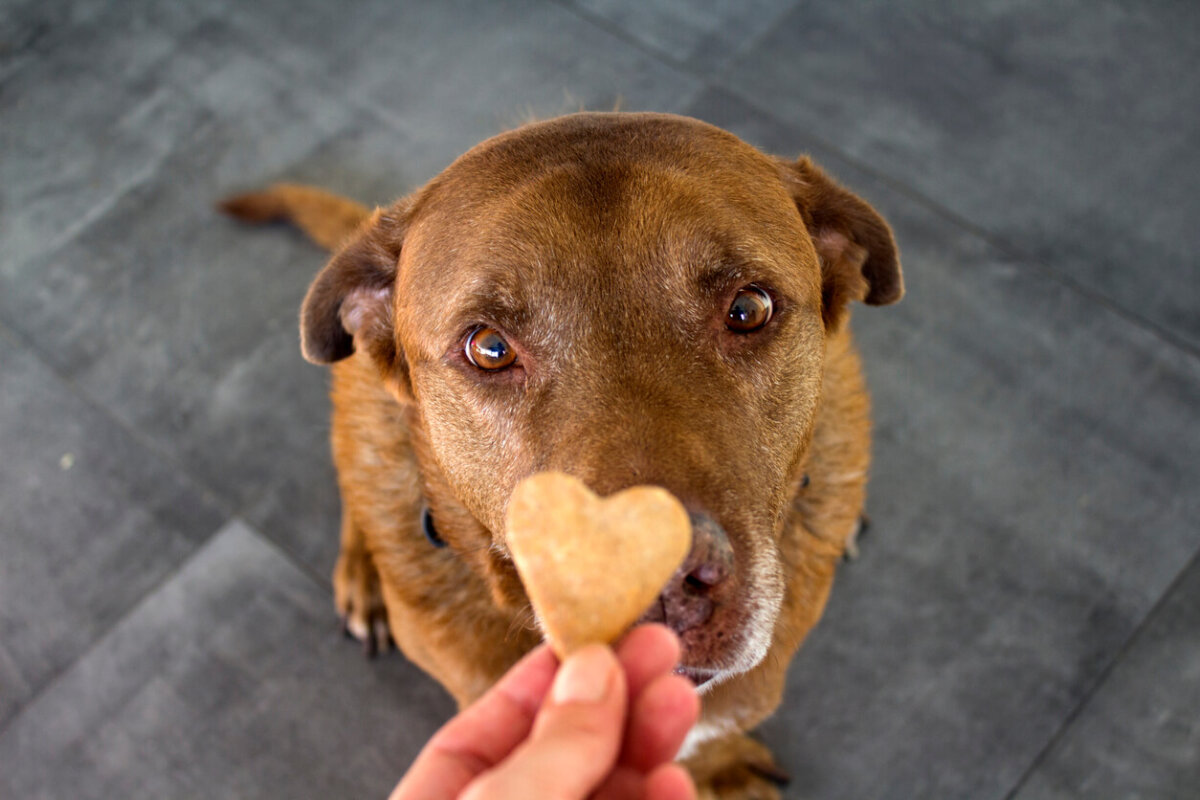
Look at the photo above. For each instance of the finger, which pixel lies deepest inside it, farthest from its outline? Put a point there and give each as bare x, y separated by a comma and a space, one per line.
621, 784
575, 738
666, 782
645, 653
483, 734
659, 721
669, 782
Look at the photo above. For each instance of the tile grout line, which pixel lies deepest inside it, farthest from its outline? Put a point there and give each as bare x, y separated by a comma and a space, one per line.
1102, 679
98, 640
243, 513
102, 635
323, 583
223, 505
739, 50
10, 330
48, 684
615, 30
352, 100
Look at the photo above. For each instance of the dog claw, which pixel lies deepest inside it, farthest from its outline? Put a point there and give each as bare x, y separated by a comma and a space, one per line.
860, 530
375, 635
381, 635
770, 772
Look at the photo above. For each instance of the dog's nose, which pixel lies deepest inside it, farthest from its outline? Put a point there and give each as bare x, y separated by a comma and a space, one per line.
690, 596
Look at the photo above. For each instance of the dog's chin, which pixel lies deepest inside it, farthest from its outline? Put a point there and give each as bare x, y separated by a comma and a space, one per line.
713, 654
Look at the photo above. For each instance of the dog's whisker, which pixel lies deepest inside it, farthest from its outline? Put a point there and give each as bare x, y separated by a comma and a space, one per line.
523, 620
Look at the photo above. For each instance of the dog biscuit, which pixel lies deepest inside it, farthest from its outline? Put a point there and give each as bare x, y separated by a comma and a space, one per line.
592, 566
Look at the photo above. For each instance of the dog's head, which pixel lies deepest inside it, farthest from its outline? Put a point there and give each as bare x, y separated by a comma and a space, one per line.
629, 298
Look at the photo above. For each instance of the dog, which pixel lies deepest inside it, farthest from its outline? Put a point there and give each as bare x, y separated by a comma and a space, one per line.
631, 298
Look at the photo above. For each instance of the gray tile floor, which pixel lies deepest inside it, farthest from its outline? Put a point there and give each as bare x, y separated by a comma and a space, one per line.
1025, 619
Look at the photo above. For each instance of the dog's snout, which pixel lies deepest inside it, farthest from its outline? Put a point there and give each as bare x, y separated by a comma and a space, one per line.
692, 594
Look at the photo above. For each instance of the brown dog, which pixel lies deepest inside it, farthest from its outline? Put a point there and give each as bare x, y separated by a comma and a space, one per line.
630, 298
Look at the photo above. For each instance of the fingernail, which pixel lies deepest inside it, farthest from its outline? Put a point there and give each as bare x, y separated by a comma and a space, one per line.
585, 676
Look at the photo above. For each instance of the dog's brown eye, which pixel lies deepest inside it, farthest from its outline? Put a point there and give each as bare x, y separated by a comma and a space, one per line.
488, 350
749, 311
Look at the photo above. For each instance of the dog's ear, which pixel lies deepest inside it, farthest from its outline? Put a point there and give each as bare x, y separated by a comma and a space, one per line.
859, 259
348, 307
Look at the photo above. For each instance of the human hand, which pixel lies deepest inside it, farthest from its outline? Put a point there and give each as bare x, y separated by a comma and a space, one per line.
604, 725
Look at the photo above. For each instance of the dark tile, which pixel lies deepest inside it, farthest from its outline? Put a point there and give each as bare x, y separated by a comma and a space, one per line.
24, 27
180, 321
229, 681
92, 520
30, 29
460, 71
1031, 499
1059, 127
104, 92
702, 36
1139, 736
367, 159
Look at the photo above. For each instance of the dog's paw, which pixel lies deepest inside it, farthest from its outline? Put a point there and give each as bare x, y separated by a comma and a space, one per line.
359, 602
736, 768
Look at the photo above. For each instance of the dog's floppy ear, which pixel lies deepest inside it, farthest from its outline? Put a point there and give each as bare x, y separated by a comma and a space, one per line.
348, 307
859, 259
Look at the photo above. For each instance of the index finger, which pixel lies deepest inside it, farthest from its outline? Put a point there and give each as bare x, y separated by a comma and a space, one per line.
483, 734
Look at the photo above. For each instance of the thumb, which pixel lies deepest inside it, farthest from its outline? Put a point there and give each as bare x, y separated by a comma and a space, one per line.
575, 740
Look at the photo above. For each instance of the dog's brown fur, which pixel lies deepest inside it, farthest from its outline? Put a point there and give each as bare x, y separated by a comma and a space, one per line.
606, 248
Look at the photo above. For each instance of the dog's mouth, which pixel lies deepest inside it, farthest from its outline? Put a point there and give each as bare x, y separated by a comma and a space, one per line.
715, 637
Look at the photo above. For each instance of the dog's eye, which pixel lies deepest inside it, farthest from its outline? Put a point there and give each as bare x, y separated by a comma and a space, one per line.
749, 311
488, 350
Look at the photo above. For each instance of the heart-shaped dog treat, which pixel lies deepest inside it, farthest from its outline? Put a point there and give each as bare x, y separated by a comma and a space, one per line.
592, 566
